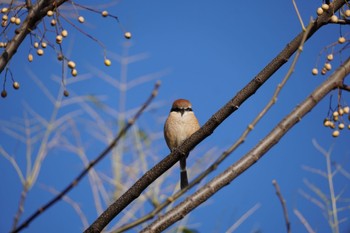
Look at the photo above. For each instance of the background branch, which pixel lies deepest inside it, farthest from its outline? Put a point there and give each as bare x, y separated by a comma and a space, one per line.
75, 182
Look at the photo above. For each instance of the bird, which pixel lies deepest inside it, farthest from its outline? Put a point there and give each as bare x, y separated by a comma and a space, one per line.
180, 125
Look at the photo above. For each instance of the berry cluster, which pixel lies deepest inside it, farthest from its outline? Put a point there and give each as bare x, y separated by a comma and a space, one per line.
337, 120
40, 38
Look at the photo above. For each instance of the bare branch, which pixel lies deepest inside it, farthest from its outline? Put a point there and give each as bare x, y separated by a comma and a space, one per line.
92, 163
283, 203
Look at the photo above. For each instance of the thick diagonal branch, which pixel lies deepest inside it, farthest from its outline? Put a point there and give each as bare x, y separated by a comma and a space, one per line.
208, 128
231, 173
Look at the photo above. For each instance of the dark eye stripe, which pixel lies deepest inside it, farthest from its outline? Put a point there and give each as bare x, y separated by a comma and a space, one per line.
181, 110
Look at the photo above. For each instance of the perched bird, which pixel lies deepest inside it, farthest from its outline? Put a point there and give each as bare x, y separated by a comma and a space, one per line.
180, 125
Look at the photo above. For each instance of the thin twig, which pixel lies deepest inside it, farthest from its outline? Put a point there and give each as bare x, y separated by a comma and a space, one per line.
93, 162
243, 218
303, 221
283, 203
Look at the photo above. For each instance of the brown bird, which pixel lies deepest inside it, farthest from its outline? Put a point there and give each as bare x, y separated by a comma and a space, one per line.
180, 125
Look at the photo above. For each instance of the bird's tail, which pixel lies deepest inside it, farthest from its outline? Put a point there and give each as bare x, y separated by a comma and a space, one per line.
183, 173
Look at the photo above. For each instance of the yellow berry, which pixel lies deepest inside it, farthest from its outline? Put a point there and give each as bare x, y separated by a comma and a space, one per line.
36, 45
40, 52
30, 57
127, 35
334, 19
326, 122
59, 39
347, 13
325, 7
104, 13
53, 22
5, 17
81, 19
327, 66
336, 113
341, 40
13, 19
323, 71
341, 126
18, 21
335, 133
74, 72
346, 109
43, 44
319, 11
15, 85
64, 33
71, 64
49, 13
108, 62
330, 57
314, 71
341, 111
4, 23
4, 10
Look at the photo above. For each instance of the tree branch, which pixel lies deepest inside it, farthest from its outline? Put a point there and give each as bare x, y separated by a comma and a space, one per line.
35, 14
92, 163
208, 128
252, 156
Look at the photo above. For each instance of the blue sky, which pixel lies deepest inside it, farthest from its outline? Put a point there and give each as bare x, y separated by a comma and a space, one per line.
205, 52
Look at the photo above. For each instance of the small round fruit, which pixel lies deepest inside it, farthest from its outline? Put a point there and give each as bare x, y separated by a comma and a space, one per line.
332, 125
347, 13
18, 21
13, 19
341, 126
341, 111
3, 94
49, 13
64, 33
325, 7
60, 57
65, 93
30, 57
335, 133
323, 71
334, 19
40, 52
71, 64
319, 11
81, 19
74, 72
330, 57
53, 22
104, 13
43, 44
127, 35
335, 113
4, 10
36, 45
5, 17
108, 62
346, 109
314, 71
326, 122
341, 40
15, 85
59, 39
328, 66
